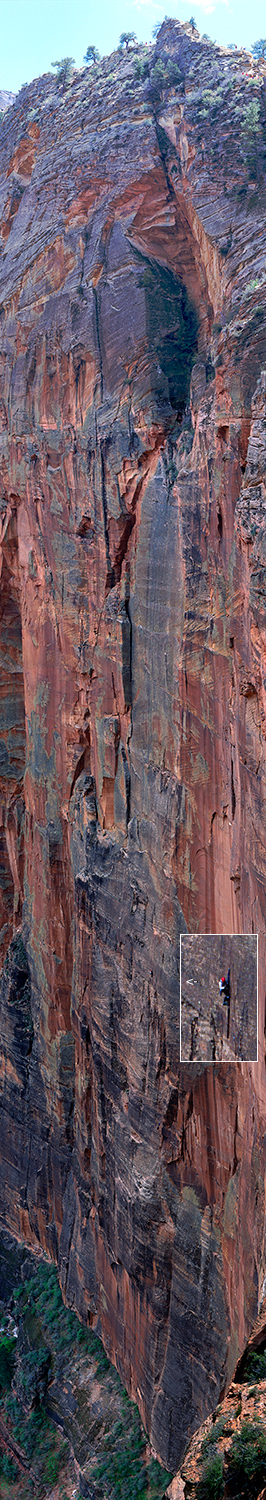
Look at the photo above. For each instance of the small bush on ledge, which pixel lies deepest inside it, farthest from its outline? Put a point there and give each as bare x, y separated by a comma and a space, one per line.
211, 1485
246, 1461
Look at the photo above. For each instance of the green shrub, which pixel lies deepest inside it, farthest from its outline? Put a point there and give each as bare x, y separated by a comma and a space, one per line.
251, 287
247, 1460
173, 75
30, 1432
7, 1362
251, 138
259, 49
255, 1367
158, 76
212, 1437
122, 1467
211, 1485
158, 1480
18, 1293
165, 74
210, 101
64, 70
33, 1376
81, 1335
54, 1463
141, 68
8, 1469
102, 1363
250, 120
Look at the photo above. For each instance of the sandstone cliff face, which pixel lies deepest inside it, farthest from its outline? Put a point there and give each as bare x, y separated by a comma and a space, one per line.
133, 700
218, 1027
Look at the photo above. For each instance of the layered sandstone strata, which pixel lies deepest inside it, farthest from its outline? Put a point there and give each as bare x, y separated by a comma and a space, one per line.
133, 697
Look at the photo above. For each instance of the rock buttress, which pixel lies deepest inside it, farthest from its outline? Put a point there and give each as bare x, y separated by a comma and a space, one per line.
132, 496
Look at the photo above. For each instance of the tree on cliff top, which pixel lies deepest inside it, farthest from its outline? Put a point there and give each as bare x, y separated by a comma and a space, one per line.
127, 39
92, 55
259, 48
64, 69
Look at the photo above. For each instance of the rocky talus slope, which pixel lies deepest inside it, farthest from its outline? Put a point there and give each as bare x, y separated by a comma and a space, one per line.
132, 506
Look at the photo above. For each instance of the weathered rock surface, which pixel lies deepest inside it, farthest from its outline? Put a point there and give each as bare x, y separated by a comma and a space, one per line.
6, 98
212, 1029
133, 683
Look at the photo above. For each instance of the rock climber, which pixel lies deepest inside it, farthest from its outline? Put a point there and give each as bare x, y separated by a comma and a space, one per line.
224, 987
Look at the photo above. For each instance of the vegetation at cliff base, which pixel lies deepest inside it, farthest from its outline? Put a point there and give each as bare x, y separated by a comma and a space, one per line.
123, 1469
211, 1485
246, 1462
8, 1470
49, 1364
7, 1362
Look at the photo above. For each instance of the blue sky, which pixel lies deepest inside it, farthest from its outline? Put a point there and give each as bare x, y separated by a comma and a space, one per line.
34, 32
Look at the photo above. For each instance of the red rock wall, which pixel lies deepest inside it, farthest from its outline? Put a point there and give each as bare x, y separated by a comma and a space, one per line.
132, 700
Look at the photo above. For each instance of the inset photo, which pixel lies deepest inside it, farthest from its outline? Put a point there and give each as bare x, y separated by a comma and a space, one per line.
218, 998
